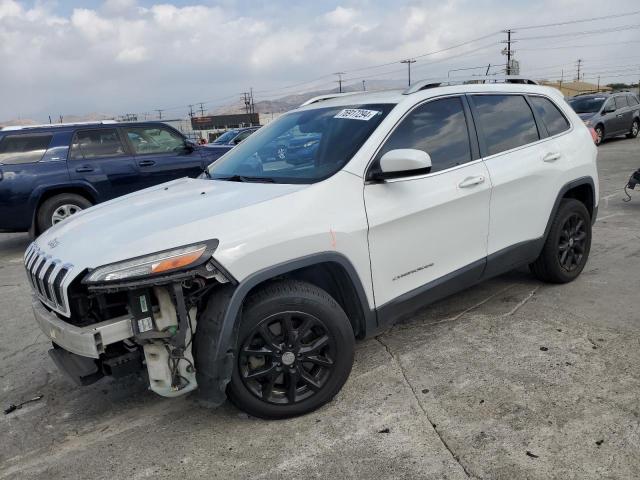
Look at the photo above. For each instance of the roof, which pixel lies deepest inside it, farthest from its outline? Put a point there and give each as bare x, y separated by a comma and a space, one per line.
430, 90
63, 127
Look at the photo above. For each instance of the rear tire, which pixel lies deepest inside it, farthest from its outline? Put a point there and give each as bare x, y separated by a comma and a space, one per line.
58, 208
295, 351
567, 246
635, 128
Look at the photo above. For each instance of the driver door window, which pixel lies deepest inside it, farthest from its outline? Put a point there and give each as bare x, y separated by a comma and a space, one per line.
154, 140
438, 128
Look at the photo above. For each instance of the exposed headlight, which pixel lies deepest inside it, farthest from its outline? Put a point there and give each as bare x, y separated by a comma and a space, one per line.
156, 263
310, 143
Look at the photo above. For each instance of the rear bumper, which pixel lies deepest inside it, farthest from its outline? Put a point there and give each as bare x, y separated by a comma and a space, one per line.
87, 341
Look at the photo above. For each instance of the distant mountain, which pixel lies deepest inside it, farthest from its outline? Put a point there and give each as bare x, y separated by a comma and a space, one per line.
289, 102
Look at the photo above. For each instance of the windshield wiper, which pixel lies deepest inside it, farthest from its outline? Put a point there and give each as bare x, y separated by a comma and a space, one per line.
244, 178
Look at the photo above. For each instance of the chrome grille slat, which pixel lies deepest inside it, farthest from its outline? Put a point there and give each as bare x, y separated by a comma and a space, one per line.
46, 276
40, 273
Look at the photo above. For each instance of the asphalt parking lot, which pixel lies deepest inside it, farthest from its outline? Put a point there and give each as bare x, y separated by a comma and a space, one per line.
511, 379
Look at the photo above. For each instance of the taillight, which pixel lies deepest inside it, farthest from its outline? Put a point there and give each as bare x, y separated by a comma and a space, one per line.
594, 135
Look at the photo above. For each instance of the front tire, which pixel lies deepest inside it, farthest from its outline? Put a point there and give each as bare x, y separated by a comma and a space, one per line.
635, 128
58, 208
567, 246
295, 351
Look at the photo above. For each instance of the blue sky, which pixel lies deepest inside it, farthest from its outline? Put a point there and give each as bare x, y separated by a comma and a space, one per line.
133, 56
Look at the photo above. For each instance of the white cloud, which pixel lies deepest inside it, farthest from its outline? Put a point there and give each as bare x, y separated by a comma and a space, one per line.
132, 55
341, 16
9, 8
123, 57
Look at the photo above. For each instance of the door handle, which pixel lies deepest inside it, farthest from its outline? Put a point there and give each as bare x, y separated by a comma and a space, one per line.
84, 169
620, 115
551, 157
146, 163
471, 182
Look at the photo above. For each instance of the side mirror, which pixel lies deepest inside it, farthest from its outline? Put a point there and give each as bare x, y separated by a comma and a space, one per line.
189, 145
403, 162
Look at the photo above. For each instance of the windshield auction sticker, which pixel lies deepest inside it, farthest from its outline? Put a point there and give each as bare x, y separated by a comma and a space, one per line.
357, 114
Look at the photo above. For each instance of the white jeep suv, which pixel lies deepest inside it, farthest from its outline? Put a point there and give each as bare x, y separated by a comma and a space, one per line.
254, 280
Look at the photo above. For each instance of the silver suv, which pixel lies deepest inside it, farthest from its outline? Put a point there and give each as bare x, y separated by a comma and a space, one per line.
609, 114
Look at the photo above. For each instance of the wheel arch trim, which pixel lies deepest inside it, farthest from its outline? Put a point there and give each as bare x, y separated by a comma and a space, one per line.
561, 194
233, 309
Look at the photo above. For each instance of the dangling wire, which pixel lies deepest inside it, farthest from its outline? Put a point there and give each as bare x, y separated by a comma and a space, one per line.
626, 192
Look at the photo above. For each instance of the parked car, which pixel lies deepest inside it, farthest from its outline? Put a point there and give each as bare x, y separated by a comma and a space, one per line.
293, 147
48, 173
255, 280
609, 114
228, 140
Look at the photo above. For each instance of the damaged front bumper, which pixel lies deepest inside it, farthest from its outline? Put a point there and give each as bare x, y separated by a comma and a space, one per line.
87, 341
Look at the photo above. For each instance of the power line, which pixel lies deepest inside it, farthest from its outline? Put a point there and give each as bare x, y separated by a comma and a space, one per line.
571, 22
579, 46
586, 32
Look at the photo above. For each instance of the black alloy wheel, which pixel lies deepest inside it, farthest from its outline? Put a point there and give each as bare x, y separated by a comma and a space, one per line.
287, 358
567, 246
571, 246
294, 353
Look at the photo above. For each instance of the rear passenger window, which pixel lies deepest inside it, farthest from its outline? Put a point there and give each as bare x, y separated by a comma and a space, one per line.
633, 101
148, 140
15, 149
506, 121
89, 144
438, 128
621, 102
551, 116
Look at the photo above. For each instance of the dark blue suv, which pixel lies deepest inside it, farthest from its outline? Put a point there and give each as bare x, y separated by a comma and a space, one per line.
48, 173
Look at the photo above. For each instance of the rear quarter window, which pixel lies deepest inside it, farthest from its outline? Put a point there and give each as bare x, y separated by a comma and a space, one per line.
17, 149
550, 114
633, 101
506, 122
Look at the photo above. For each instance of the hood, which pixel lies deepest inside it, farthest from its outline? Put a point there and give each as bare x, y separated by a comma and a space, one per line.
170, 215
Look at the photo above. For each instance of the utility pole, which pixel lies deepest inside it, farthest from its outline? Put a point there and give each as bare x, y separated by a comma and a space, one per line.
252, 105
561, 78
364, 86
201, 109
508, 51
159, 113
579, 65
190, 111
49, 119
598, 89
60, 118
339, 74
247, 103
408, 61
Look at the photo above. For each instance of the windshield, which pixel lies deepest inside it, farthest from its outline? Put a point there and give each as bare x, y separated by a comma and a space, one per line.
587, 104
226, 137
302, 146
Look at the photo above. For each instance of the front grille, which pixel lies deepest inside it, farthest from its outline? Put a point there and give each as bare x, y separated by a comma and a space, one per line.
46, 276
